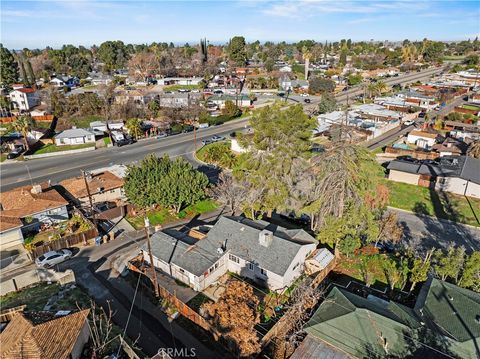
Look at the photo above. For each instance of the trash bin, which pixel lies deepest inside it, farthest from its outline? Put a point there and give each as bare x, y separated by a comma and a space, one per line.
98, 240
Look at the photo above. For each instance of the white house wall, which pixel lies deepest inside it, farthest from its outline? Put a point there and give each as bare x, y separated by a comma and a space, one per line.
404, 177
297, 266
458, 186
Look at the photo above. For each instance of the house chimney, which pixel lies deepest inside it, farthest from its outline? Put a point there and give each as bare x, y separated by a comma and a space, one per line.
36, 189
265, 238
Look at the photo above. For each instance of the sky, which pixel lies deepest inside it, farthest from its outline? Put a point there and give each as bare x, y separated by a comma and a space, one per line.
40, 23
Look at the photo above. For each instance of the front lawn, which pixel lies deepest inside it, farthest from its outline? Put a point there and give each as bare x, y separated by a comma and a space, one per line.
365, 268
181, 87
445, 205
107, 140
217, 153
49, 148
162, 215
471, 107
79, 121
3, 157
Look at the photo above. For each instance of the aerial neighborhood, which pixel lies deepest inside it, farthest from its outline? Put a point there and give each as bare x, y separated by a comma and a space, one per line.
303, 199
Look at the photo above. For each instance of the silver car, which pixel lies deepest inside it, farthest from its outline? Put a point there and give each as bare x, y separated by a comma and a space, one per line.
49, 259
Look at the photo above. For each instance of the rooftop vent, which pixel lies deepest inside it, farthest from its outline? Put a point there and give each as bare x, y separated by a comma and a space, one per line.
36, 189
477, 318
265, 238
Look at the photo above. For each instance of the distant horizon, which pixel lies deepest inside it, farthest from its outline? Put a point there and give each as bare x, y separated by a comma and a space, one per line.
194, 43
41, 23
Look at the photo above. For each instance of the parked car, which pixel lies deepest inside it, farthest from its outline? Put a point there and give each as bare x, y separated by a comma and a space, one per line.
218, 123
307, 100
49, 259
187, 129
15, 152
304, 94
233, 134
206, 142
203, 125
161, 135
409, 122
422, 114
217, 138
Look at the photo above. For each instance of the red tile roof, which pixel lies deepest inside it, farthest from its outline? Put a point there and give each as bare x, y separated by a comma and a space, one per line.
26, 90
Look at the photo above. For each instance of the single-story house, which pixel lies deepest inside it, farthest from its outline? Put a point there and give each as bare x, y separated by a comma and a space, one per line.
184, 81
417, 99
239, 100
270, 255
455, 174
24, 98
31, 336
176, 100
25, 209
57, 82
423, 139
74, 136
347, 325
104, 186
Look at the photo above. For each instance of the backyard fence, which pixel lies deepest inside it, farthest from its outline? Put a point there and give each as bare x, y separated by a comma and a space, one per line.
68, 240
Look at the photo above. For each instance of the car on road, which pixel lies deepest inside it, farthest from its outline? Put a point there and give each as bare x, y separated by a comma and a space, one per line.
217, 138
161, 135
409, 122
307, 100
206, 142
218, 123
49, 259
123, 142
304, 94
422, 115
203, 125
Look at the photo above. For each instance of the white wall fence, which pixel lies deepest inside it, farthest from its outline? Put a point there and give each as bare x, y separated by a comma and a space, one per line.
36, 276
60, 153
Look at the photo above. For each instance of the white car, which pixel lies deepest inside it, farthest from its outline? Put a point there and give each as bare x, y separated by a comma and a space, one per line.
304, 94
49, 259
409, 122
217, 138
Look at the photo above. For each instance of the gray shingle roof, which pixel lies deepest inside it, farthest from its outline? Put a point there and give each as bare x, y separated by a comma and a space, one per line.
239, 236
464, 167
74, 132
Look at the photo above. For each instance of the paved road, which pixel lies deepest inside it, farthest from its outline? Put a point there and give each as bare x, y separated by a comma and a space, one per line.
61, 167
425, 232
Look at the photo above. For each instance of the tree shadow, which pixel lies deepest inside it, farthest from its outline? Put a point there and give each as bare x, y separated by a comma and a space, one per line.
212, 172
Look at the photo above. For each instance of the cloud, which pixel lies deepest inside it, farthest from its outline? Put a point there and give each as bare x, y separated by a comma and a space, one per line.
311, 8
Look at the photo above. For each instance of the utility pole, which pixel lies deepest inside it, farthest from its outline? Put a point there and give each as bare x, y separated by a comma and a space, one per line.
90, 199
195, 137
152, 266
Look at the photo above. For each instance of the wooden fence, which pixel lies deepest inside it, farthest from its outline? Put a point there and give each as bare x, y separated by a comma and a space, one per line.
65, 242
421, 155
68, 240
46, 118
139, 266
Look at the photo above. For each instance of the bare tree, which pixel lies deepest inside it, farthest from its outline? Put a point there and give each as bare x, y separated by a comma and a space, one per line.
303, 300
143, 64
389, 229
229, 192
101, 326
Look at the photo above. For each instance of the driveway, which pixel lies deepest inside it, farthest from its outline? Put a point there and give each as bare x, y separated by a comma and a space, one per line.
425, 232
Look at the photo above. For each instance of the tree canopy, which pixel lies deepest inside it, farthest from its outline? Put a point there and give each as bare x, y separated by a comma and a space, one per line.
9, 72
161, 181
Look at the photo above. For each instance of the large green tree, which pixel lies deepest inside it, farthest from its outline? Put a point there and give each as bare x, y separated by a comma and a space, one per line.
161, 181
449, 264
327, 103
236, 50
471, 272
8, 67
113, 54
320, 85
277, 151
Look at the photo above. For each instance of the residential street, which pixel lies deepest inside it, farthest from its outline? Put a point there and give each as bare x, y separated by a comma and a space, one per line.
426, 232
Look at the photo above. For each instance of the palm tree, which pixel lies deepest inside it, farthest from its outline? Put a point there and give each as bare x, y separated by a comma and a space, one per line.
134, 127
23, 124
307, 55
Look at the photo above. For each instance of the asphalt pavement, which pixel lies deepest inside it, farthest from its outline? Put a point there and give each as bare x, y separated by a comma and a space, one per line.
425, 232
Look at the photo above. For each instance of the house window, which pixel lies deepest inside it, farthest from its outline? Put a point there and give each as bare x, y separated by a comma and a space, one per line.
213, 268
250, 266
181, 270
295, 266
234, 258
263, 271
